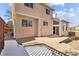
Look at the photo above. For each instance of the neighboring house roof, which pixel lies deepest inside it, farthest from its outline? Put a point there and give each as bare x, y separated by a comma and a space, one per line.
56, 19
9, 24
2, 20
64, 21
76, 28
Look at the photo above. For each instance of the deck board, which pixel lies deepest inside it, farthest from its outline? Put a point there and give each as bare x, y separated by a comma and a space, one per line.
38, 50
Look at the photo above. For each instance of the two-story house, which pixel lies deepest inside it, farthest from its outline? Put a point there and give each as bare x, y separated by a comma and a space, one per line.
36, 19
32, 19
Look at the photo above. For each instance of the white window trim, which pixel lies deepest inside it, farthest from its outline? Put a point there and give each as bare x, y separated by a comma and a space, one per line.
27, 20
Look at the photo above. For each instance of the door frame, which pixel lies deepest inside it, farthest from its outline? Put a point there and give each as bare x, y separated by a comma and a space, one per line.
55, 29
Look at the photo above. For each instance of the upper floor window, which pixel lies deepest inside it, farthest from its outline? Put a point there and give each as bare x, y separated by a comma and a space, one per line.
29, 5
47, 11
26, 23
45, 23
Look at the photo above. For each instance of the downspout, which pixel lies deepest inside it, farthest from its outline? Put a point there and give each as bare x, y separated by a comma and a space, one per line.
13, 13
60, 26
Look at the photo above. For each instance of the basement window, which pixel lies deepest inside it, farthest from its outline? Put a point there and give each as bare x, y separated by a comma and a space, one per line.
45, 23
26, 23
29, 5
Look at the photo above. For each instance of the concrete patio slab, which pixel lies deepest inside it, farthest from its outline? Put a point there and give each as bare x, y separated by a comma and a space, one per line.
13, 49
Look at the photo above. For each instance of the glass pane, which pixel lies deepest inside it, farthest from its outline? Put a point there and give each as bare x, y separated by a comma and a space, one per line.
31, 5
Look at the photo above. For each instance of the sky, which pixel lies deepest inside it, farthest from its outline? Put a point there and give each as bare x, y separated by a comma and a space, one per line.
3, 9
67, 11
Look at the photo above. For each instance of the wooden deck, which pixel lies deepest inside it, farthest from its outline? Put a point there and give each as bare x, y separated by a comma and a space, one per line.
42, 50
54, 43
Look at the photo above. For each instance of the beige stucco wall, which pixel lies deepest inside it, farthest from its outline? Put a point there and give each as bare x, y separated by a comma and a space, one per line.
47, 30
77, 33
21, 31
31, 31
64, 32
37, 11
77, 28
39, 15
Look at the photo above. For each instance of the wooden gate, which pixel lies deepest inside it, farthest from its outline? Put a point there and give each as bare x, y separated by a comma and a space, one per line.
1, 34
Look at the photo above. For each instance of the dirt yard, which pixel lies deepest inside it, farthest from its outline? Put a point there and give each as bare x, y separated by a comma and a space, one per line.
74, 44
